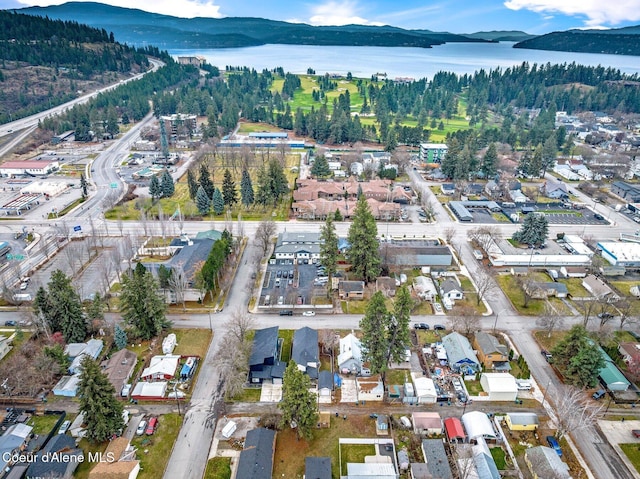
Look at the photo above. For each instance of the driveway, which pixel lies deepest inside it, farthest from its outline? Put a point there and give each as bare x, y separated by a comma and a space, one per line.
349, 390
271, 393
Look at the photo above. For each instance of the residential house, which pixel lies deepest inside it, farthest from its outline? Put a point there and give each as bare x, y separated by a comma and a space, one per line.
124, 464
450, 288
499, 386
477, 459
474, 189
44, 466
566, 172
626, 191
5, 346
436, 458
187, 260
419, 470
460, 355
573, 272
264, 362
161, 368
351, 289
387, 285
317, 468
491, 353
402, 254
448, 188
599, 289
454, 430
119, 368
149, 391
427, 423
544, 463
517, 196
350, 356
555, 189
14, 439
522, 421
67, 386
492, 189
256, 459
297, 247
92, 350
544, 290
630, 352
357, 168
610, 376
305, 351
370, 388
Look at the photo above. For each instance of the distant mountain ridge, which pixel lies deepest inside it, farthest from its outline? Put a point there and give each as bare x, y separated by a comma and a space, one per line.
138, 27
619, 41
501, 35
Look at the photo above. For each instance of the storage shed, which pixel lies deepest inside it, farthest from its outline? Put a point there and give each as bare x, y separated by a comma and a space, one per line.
499, 386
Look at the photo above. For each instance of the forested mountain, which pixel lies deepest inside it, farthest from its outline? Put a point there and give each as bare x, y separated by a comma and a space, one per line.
501, 36
137, 27
623, 41
47, 62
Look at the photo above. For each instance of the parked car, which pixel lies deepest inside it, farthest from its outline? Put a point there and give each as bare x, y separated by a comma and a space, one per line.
599, 394
523, 384
553, 444
599, 217
605, 315
636, 433
547, 355
309, 313
439, 327
141, 427
64, 427
151, 427
286, 312
279, 274
10, 323
291, 274
421, 326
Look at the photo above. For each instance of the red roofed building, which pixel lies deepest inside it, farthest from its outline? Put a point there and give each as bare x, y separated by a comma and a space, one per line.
454, 430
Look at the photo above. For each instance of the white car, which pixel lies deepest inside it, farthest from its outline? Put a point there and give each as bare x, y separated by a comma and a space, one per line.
309, 313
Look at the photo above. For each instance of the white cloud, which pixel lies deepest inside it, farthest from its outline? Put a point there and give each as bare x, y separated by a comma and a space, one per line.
176, 8
597, 12
338, 13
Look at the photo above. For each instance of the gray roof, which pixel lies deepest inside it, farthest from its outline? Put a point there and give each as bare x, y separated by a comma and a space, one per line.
58, 443
460, 210
190, 256
305, 349
13, 438
546, 462
317, 468
436, 458
523, 418
256, 459
459, 351
415, 255
265, 345
325, 380
298, 248
486, 466
289, 237
490, 344
351, 286
449, 285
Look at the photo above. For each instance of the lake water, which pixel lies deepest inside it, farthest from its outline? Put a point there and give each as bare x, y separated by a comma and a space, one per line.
400, 62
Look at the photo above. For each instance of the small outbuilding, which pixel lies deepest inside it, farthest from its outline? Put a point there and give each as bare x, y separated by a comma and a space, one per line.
454, 430
427, 423
477, 424
499, 386
522, 421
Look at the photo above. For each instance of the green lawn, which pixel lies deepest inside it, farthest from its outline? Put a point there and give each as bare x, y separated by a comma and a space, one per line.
474, 387
397, 376
499, 458
154, 451
218, 468
632, 451
192, 342
508, 284
248, 395
287, 336
354, 307
574, 285
82, 472
355, 453
43, 424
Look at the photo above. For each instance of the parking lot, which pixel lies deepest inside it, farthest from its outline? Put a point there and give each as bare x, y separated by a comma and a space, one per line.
561, 215
288, 285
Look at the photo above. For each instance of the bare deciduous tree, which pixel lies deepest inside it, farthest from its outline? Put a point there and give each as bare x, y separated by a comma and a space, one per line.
233, 354
239, 324
485, 285
328, 339
574, 410
448, 234
178, 283
484, 236
465, 322
550, 319
265, 231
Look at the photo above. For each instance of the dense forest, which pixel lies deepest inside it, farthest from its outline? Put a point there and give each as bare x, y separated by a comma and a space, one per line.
46, 62
585, 42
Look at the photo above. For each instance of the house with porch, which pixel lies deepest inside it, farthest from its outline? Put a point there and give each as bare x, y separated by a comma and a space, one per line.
460, 354
491, 353
351, 289
305, 351
264, 362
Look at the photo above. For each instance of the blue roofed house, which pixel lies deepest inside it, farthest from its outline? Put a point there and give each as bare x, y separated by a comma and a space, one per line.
256, 459
305, 351
264, 362
460, 354
14, 439
92, 349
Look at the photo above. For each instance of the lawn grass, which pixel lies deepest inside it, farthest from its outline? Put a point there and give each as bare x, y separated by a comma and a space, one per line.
82, 472
397, 376
287, 343
192, 342
632, 451
154, 451
499, 458
473, 387
355, 453
430, 336
470, 299
575, 288
324, 442
248, 395
218, 468
354, 307
43, 424
508, 284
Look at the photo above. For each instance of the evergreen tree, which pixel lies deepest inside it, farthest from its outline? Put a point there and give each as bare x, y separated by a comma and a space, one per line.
299, 407
264, 195
399, 325
534, 230
120, 337
193, 184
83, 185
246, 189
61, 309
549, 150
102, 411
141, 304
164, 276
167, 188
374, 344
277, 180
329, 247
218, 201
206, 182
490, 161
364, 252
154, 188
203, 203
229, 192
578, 357
338, 216
95, 309
320, 168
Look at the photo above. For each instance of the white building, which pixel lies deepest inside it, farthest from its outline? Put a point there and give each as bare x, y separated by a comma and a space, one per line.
160, 368
499, 386
425, 389
350, 356
29, 167
433, 152
425, 288
620, 254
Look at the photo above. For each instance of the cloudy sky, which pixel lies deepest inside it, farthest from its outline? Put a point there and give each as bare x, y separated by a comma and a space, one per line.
458, 16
